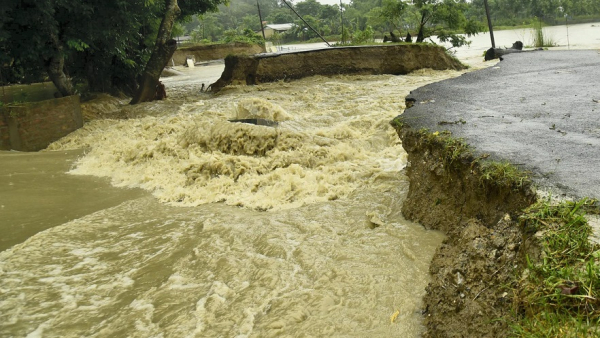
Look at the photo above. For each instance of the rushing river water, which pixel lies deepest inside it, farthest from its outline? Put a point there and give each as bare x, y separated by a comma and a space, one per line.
245, 230
179, 223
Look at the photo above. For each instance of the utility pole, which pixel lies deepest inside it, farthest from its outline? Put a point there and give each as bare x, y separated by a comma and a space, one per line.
567, 24
306, 23
342, 21
262, 29
489, 20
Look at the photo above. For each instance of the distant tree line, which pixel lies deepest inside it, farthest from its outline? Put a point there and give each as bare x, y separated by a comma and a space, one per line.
430, 17
107, 45
519, 12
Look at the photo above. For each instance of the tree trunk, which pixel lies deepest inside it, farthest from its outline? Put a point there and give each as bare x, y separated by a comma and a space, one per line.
497, 53
55, 69
421, 34
161, 54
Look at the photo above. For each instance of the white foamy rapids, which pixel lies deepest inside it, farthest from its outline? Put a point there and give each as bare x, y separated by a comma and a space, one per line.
326, 145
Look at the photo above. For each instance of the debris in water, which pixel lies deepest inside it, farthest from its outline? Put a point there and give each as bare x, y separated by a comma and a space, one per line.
394, 316
258, 122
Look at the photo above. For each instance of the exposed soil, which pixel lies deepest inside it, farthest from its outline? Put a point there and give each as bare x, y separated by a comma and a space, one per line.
214, 52
469, 295
385, 59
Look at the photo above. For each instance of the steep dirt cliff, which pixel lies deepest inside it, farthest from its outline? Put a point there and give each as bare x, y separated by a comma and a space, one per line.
476, 202
214, 52
385, 59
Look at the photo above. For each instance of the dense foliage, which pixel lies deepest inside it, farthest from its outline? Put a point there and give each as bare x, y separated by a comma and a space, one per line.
435, 17
101, 44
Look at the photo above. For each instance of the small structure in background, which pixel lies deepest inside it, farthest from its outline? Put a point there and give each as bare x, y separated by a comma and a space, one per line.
277, 28
183, 39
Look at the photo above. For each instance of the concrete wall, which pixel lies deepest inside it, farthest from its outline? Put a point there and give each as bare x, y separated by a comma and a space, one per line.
33, 126
393, 59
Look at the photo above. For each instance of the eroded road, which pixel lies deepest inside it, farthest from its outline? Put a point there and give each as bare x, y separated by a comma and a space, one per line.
539, 110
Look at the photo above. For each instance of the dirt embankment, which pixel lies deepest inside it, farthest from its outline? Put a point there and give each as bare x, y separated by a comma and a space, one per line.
385, 59
471, 271
214, 52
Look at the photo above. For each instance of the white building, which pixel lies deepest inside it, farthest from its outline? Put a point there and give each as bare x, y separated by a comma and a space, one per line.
279, 28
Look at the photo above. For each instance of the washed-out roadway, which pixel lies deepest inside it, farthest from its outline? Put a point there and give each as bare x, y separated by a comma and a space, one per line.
539, 110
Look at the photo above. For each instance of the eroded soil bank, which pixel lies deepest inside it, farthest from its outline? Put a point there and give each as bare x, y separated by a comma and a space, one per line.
214, 52
468, 295
373, 60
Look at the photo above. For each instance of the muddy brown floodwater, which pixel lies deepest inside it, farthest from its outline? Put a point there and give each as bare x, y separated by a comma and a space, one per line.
178, 223
243, 230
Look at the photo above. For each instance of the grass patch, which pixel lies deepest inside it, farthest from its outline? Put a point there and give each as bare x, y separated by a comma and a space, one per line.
558, 295
456, 152
453, 149
540, 38
503, 174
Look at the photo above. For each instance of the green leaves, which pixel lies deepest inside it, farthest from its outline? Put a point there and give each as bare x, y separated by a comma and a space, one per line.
392, 11
104, 43
559, 294
77, 45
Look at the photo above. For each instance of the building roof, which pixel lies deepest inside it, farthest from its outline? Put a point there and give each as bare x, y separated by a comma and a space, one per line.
280, 27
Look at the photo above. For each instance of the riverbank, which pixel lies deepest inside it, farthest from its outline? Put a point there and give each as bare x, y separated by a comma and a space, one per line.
475, 152
227, 240
395, 59
453, 191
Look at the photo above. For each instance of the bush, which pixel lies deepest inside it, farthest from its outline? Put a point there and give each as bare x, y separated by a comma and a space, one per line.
247, 35
365, 36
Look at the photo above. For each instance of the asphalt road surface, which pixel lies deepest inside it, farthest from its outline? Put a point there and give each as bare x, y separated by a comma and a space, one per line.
539, 110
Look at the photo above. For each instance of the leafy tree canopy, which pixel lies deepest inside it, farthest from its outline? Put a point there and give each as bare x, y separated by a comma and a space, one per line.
101, 44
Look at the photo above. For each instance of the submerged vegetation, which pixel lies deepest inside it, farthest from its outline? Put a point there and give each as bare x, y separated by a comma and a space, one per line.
540, 37
559, 292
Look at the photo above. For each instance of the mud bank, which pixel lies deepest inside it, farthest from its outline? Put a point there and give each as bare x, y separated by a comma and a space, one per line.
474, 195
375, 60
32, 126
214, 52
455, 191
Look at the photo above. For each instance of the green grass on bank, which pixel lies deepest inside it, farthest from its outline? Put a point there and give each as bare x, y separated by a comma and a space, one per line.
558, 294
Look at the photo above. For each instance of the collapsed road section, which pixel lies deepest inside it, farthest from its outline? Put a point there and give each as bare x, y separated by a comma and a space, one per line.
387, 59
469, 142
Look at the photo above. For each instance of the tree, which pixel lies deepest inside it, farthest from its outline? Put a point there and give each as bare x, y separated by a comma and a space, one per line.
165, 46
101, 44
309, 7
161, 54
281, 15
33, 39
251, 21
445, 18
392, 11
93, 41
211, 26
